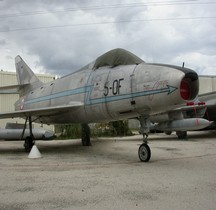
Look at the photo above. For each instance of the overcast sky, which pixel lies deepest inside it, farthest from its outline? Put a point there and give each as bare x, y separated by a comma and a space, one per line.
58, 37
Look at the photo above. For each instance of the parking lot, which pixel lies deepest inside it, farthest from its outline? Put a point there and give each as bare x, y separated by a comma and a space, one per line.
109, 175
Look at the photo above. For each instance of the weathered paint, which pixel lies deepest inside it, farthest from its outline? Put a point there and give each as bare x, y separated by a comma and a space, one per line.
110, 93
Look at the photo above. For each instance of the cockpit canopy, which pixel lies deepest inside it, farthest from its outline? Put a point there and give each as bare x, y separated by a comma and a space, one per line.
117, 57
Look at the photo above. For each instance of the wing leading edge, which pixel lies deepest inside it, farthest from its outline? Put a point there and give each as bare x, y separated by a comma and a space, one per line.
48, 111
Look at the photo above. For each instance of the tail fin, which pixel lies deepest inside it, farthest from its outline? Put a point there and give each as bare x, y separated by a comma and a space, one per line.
26, 78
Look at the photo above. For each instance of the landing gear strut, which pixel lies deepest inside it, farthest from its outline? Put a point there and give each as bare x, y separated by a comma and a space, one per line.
29, 143
86, 135
144, 151
29, 140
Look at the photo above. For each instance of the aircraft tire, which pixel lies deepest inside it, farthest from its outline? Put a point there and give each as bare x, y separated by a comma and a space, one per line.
86, 140
181, 134
86, 135
144, 152
28, 144
168, 132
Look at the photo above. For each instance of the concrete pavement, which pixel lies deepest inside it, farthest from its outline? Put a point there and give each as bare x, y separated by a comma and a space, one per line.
109, 175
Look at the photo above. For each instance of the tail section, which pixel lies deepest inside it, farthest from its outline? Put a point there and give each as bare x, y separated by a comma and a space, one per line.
26, 78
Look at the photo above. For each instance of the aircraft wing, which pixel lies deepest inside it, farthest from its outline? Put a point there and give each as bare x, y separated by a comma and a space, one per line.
184, 118
183, 108
41, 111
209, 98
190, 107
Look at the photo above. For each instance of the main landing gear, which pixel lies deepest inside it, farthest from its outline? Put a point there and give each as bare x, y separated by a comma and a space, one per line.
181, 134
144, 151
29, 140
86, 135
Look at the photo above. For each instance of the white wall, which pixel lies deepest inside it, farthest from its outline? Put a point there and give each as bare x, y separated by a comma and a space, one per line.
207, 84
8, 98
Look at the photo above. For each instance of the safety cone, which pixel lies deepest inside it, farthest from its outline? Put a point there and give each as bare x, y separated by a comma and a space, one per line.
34, 153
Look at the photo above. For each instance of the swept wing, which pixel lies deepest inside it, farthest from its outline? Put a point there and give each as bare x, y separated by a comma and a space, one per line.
39, 112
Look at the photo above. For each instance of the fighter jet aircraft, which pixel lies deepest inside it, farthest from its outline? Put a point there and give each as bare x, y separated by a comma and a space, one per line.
117, 85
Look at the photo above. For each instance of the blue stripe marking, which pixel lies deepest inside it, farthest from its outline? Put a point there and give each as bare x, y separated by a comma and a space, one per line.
104, 99
60, 94
167, 90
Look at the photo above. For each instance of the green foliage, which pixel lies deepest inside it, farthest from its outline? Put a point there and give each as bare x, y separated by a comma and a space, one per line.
74, 131
71, 131
121, 128
101, 129
117, 128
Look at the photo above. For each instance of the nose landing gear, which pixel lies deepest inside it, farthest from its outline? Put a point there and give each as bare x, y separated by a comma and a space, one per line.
144, 151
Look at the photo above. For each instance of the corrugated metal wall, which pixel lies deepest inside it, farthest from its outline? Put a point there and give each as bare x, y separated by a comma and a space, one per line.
7, 78
7, 102
207, 84
8, 98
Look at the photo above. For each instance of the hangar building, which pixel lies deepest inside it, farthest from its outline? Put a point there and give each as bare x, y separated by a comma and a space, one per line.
8, 97
207, 84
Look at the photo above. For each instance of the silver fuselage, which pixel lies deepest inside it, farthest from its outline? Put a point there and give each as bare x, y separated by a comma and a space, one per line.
112, 93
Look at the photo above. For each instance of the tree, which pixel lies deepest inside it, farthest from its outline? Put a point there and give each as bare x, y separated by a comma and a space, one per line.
121, 128
71, 131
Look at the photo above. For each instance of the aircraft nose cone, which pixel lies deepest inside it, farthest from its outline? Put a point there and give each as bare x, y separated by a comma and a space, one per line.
189, 86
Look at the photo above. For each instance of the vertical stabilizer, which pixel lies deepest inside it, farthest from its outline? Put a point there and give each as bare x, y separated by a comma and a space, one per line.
25, 76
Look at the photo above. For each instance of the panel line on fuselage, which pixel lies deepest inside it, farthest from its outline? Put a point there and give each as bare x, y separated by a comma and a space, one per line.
59, 95
135, 95
100, 100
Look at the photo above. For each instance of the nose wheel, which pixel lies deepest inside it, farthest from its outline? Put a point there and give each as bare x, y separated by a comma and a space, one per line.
144, 152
